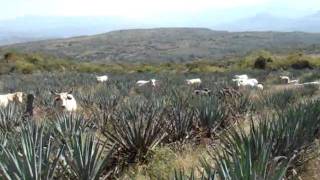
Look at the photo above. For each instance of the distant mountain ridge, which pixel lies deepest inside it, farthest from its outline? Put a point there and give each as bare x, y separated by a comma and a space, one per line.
169, 45
268, 22
6, 39
39, 28
31, 28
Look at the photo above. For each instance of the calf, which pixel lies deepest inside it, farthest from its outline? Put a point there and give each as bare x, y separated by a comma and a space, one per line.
65, 101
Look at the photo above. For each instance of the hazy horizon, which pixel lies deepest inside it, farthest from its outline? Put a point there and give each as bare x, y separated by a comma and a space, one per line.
25, 20
159, 12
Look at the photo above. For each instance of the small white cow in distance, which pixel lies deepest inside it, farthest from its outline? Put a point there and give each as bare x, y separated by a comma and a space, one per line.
11, 97
243, 76
253, 83
103, 78
312, 83
153, 82
65, 101
308, 83
244, 81
196, 81
247, 82
288, 81
144, 82
260, 86
237, 78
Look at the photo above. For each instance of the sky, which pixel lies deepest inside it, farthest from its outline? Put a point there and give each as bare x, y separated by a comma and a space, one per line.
158, 11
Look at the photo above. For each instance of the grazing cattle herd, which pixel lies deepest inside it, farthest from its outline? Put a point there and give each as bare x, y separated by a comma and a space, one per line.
65, 101
296, 81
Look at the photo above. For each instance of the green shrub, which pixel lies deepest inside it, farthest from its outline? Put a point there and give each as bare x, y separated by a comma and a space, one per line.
301, 64
25, 68
250, 60
261, 62
89, 68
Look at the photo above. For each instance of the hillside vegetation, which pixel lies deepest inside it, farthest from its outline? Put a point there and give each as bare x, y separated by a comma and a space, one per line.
170, 45
14, 62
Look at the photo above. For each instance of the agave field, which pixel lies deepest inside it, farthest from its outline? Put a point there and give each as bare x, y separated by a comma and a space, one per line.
119, 127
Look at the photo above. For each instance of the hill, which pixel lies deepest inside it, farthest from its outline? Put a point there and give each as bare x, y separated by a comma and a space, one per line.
169, 45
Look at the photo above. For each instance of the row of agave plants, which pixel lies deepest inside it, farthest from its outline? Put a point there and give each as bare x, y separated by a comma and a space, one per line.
274, 148
77, 146
119, 125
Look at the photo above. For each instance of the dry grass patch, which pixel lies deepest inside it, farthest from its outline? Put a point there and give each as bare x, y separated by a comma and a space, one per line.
165, 160
311, 170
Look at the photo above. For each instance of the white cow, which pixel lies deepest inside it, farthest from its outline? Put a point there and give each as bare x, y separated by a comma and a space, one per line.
308, 83
260, 86
65, 101
243, 76
142, 82
103, 78
193, 81
312, 83
288, 81
240, 77
247, 82
6, 98
153, 82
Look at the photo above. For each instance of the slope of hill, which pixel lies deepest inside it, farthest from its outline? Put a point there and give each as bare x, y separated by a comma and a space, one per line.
170, 45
